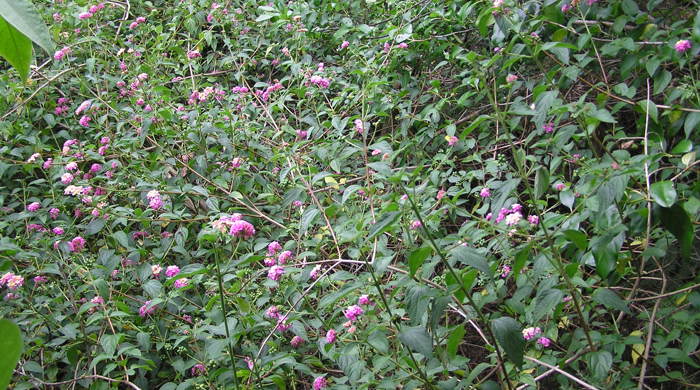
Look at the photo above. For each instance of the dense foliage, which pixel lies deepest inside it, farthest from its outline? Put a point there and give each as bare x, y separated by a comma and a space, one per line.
355, 195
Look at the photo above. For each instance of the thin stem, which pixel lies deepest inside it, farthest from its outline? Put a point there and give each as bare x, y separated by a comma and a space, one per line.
225, 312
451, 270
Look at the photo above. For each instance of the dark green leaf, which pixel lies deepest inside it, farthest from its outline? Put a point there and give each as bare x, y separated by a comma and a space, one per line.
610, 300
417, 257
307, 219
545, 302
600, 363
470, 256
678, 222
510, 337
384, 224
578, 238
417, 339
95, 226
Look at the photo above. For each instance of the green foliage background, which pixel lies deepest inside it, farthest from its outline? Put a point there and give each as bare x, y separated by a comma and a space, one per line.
608, 272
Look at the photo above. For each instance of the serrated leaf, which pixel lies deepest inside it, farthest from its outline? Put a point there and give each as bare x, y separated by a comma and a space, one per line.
378, 339
579, 239
11, 347
417, 339
663, 193
510, 337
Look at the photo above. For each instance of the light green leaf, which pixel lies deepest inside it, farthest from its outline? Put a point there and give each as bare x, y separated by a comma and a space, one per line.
453, 341
663, 193
15, 48
11, 347
541, 182
22, 15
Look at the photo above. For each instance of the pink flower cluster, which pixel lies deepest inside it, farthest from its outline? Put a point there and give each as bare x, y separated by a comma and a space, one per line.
147, 309
682, 46
77, 244
353, 312
265, 95
91, 11
320, 383
59, 54
12, 281
242, 229
154, 200
192, 54
201, 97
34, 206
136, 23
534, 332
181, 283
171, 271
198, 369
319, 81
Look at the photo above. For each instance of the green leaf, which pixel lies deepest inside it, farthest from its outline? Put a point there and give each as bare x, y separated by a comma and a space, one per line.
94, 226
605, 260
663, 193
691, 121
121, 238
307, 219
603, 115
545, 302
678, 222
567, 198
541, 182
453, 341
684, 146
417, 257
379, 340
470, 256
653, 110
109, 343
384, 224
15, 48
600, 363
579, 239
609, 299
510, 337
22, 15
11, 347
417, 339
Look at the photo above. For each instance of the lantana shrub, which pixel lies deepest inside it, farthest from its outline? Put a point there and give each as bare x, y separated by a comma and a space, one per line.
355, 195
